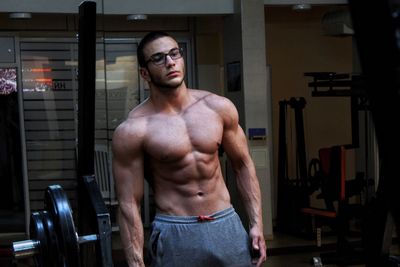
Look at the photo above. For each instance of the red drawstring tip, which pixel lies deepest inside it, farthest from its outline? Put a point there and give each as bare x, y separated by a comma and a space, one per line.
204, 218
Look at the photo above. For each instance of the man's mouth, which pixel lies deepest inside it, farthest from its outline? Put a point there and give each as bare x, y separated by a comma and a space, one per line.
173, 74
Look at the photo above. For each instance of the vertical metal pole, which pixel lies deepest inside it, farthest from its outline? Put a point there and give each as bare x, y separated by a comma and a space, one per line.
86, 111
298, 106
282, 168
23, 142
86, 87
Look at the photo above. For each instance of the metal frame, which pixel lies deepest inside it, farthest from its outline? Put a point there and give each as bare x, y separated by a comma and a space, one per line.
25, 182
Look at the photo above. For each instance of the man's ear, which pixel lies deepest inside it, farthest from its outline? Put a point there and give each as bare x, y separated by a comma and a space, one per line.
144, 72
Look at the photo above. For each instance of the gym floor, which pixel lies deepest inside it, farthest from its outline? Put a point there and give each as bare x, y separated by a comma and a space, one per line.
284, 251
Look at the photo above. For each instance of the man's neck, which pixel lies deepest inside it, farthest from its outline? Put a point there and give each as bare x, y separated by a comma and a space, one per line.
172, 100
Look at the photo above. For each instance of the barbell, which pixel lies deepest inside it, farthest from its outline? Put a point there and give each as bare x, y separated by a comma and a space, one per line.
54, 240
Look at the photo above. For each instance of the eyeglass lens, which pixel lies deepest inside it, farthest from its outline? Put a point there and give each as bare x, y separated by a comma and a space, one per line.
160, 58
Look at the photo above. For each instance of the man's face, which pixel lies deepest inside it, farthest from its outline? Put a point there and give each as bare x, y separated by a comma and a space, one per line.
168, 75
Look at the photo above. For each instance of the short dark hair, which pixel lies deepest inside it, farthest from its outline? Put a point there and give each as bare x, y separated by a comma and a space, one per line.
148, 38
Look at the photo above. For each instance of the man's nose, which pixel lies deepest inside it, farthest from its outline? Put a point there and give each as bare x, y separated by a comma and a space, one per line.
169, 61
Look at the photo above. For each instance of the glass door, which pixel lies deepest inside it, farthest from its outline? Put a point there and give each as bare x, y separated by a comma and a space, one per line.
49, 70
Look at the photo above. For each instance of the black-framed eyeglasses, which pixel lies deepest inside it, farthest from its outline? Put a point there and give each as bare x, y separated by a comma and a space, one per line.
161, 58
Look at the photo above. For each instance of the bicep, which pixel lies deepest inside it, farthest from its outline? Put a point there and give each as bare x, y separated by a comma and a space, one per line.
235, 145
128, 171
234, 140
129, 180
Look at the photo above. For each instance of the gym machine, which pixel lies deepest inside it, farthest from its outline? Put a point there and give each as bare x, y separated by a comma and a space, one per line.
293, 192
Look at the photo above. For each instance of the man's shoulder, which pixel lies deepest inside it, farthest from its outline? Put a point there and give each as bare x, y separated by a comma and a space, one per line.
135, 123
198, 93
212, 100
220, 105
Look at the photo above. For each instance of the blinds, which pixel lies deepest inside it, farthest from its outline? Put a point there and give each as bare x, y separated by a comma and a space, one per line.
49, 84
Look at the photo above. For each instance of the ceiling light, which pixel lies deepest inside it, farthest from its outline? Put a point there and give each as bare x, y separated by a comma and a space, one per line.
136, 17
20, 15
301, 7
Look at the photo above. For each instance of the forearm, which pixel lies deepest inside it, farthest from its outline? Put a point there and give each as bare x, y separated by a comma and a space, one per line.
131, 232
249, 190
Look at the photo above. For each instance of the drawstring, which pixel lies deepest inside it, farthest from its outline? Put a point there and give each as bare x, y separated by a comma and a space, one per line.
204, 218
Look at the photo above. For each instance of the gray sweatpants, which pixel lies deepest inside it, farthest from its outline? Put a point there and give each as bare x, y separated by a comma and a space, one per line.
216, 240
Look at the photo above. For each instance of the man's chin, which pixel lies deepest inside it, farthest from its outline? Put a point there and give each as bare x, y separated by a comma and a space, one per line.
169, 85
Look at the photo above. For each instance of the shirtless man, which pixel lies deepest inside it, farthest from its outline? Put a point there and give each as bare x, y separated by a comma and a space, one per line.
172, 139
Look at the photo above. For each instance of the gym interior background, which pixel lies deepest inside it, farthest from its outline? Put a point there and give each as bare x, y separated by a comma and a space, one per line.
254, 52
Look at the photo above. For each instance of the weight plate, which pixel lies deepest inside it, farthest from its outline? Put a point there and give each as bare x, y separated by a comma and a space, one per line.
57, 205
37, 232
52, 254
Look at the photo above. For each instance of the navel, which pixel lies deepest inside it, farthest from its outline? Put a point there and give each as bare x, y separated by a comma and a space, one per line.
200, 193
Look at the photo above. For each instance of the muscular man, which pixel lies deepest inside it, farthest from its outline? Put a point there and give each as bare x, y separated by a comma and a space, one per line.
172, 139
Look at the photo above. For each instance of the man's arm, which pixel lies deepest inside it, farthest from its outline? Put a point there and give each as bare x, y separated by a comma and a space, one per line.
129, 180
235, 145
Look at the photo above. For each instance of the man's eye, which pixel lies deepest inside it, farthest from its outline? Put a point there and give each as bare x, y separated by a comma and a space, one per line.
174, 53
157, 57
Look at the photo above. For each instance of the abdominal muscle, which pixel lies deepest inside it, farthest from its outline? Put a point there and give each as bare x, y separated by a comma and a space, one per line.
189, 187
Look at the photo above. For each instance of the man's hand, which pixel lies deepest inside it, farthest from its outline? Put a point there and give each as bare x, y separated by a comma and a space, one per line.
258, 247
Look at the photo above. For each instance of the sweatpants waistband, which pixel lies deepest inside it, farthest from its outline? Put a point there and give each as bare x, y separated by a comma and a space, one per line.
195, 219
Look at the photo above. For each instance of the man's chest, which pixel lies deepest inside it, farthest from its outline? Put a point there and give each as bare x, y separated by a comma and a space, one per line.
171, 138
